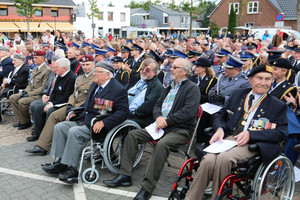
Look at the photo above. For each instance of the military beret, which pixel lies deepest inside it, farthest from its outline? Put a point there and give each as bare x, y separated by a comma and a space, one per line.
106, 65
136, 47
261, 68
178, 53
251, 45
282, 63
87, 58
222, 52
245, 55
297, 48
274, 55
39, 53
2, 48
125, 49
289, 48
233, 62
19, 57
117, 59
194, 53
203, 62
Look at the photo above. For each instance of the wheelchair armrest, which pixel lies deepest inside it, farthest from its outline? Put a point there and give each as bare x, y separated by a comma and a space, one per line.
98, 118
253, 147
76, 111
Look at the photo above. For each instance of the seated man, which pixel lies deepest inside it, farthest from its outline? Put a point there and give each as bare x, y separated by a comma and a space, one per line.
20, 102
175, 112
18, 77
82, 87
144, 94
240, 119
6, 65
106, 95
63, 88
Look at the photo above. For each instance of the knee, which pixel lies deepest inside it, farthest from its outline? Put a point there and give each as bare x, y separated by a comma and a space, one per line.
224, 158
208, 162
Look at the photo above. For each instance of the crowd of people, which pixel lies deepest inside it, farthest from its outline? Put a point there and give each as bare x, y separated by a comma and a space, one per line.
161, 80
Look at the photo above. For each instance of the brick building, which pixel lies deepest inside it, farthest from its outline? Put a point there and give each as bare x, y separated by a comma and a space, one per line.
256, 13
53, 15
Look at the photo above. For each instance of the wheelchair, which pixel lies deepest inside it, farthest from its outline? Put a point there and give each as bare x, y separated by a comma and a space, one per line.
107, 152
251, 180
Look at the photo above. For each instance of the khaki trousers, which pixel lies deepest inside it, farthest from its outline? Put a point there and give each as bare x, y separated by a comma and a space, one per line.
20, 107
172, 139
216, 167
45, 139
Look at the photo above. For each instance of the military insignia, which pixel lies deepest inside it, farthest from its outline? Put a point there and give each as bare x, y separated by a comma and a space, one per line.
83, 59
283, 86
269, 69
85, 91
258, 115
239, 108
236, 79
103, 105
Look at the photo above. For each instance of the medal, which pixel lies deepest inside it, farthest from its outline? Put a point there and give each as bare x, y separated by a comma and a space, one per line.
243, 123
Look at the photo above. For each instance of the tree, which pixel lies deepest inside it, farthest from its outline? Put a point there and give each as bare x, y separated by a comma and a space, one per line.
143, 4
232, 20
26, 8
214, 29
94, 13
209, 8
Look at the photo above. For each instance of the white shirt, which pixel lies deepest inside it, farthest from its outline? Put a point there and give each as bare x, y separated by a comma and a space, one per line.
250, 116
10, 74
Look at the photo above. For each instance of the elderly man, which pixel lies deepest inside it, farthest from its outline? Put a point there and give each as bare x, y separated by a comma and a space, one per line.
20, 102
106, 95
6, 65
74, 66
17, 77
175, 113
58, 96
82, 87
234, 122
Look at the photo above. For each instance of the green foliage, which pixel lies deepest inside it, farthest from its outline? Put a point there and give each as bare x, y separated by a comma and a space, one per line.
209, 8
143, 4
26, 8
232, 20
214, 29
94, 9
111, 4
196, 7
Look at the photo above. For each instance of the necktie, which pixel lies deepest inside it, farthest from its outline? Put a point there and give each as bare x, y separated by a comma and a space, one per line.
199, 80
274, 84
250, 101
98, 90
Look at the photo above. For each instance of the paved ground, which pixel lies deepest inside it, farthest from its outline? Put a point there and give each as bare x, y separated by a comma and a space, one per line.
21, 176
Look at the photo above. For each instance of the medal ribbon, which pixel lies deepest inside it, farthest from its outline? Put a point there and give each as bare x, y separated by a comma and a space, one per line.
253, 107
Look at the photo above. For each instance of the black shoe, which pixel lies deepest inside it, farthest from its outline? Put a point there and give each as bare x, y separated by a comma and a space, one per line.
70, 176
120, 180
297, 148
55, 168
36, 149
143, 195
32, 138
24, 126
17, 124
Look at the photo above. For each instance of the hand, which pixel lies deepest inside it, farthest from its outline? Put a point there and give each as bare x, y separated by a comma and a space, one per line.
71, 116
219, 97
24, 94
219, 135
45, 98
49, 105
290, 98
242, 138
98, 126
161, 123
5, 81
165, 62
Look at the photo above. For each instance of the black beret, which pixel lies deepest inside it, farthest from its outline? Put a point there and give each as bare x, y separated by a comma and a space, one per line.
203, 62
261, 68
282, 63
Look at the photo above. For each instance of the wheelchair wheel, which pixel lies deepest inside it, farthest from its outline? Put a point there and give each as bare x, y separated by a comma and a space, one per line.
90, 176
275, 181
114, 142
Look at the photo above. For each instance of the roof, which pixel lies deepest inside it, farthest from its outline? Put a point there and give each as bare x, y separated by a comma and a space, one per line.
64, 3
137, 10
168, 10
288, 7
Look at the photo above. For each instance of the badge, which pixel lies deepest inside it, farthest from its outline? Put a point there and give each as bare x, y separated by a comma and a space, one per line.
59, 87
239, 108
283, 86
243, 123
76, 94
85, 91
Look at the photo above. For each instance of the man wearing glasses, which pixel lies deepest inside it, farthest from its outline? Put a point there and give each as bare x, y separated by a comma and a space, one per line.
174, 112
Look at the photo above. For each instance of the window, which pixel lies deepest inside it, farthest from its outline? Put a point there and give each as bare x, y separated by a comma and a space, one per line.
252, 7
3, 10
236, 7
100, 16
249, 24
110, 16
187, 19
165, 18
38, 13
54, 13
182, 19
122, 17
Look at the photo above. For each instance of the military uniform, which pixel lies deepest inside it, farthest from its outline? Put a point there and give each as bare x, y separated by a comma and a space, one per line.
34, 90
256, 61
218, 69
204, 85
81, 90
283, 89
122, 76
135, 67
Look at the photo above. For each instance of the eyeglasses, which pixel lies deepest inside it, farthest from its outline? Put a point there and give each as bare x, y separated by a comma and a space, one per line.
176, 67
144, 68
99, 72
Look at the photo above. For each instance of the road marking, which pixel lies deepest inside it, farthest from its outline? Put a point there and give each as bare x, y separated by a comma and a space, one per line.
78, 189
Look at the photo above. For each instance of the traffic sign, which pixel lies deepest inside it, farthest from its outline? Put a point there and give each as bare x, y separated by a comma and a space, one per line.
279, 17
143, 25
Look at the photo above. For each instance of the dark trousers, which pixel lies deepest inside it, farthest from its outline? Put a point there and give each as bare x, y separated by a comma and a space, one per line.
40, 118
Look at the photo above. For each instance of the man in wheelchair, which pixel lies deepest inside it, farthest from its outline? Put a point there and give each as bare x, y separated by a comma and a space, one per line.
107, 98
242, 119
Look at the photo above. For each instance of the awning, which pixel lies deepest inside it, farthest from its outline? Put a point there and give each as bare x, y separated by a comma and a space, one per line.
8, 27
34, 26
64, 27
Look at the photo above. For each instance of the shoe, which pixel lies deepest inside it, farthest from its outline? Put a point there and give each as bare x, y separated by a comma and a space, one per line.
55, 168
143, 195
17, 124
32, 138
297, 148
24, 126
70, 176
120, 180
36, 149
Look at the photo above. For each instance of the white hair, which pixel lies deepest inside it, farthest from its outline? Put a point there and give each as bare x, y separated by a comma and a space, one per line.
64, 62
107, 71
60, 53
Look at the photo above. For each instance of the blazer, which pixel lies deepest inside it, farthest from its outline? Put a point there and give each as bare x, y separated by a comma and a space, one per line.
122, 76
48, 83
205, 85
63, 88
271, 108
283, 89
135, 71
19, 79
7, 66
184, 109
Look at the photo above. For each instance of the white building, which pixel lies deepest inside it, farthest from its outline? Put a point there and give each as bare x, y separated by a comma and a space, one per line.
110, 19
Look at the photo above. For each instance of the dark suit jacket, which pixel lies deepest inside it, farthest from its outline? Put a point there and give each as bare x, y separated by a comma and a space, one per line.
20, 79
122, 76
63, 88
270, 108
115, 92
205, 85
135, 73
283, 89
7, 66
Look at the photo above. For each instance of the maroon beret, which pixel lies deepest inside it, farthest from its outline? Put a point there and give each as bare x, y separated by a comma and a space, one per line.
39, 53
87, 58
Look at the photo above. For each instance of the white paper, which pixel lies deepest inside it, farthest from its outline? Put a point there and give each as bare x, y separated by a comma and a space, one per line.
210, 108
297, 174
218, 147
60, 105
151, 130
